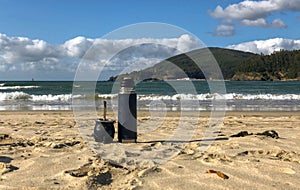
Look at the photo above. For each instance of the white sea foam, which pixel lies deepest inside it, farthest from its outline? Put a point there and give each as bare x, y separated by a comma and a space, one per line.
262, 96
230, 96
2, 87
6, 96
107, 96
15, 96
50, 97
2, 84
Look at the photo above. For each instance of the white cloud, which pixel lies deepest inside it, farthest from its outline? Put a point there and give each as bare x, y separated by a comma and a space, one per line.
186, 43
258, 22
19, 49
26, 55
261, 22
254, 13
224, 30
77, 47
251, 10
277, 23
254, 10
267, 46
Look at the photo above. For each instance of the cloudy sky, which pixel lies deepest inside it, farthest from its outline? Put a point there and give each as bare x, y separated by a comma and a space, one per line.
47, 40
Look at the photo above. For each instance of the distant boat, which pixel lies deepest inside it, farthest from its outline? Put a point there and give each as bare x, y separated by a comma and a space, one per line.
32, 79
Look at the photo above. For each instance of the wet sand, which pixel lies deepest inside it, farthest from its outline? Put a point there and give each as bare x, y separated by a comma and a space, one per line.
252, 150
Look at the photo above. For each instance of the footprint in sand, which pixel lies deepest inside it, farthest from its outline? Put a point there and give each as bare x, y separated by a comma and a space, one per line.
288, 171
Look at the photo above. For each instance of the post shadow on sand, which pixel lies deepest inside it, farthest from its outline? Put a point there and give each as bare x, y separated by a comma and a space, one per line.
175, 141
185, 141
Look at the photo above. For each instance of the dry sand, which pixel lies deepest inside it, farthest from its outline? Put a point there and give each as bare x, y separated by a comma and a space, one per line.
44, 150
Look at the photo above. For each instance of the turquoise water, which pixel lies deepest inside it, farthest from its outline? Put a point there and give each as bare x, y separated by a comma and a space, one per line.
239, 95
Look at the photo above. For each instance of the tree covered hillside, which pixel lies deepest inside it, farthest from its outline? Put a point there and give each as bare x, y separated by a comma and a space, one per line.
181, 66
235, 65
282, 65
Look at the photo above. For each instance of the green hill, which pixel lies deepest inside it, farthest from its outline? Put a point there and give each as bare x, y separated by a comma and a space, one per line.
181, 66
235, 65
282, 65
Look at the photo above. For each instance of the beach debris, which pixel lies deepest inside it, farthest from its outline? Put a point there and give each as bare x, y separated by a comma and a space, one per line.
6, 140
219, 173
39, 123
115, 164
4, 136
66, 144
242, 134
283, 155
80, 172
131, 154
269, 133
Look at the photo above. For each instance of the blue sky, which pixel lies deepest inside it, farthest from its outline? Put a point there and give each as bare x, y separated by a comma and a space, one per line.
66, 19
236, 24
58, 21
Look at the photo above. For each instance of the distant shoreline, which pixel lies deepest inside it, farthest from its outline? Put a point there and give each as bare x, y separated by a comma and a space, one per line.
201, 113
285, 80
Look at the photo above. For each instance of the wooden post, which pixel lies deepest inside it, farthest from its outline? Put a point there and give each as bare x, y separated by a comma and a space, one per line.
104, 111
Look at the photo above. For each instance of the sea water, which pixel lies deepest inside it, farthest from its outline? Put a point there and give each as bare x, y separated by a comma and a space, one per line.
153, 95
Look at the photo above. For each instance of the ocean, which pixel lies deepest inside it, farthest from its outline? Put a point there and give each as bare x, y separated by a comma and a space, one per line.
152, 95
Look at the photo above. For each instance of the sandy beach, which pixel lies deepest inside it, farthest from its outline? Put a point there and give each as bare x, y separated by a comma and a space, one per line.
252, 150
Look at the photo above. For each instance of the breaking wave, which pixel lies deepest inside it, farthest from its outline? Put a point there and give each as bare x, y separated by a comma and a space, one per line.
2, 87
15, 96
230, 96
18, 95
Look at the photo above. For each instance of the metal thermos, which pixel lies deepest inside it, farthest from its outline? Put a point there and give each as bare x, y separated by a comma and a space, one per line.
127, 123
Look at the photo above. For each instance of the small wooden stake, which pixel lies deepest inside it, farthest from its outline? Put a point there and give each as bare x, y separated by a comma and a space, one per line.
219, 173
104, 111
